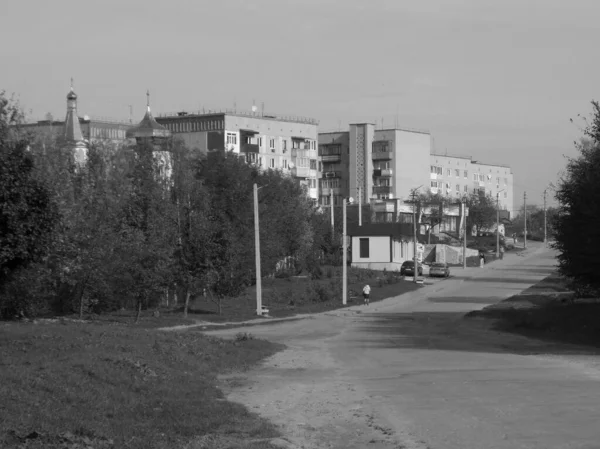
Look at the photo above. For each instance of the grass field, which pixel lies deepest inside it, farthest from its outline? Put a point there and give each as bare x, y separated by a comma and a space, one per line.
74, 385
284, 297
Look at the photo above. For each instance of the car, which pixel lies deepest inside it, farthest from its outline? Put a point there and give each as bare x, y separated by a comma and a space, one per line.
439, 269
408, 268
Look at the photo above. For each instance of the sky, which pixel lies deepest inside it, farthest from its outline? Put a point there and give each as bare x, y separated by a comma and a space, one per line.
498, 81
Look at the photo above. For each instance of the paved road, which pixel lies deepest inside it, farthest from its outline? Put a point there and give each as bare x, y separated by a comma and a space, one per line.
411, 371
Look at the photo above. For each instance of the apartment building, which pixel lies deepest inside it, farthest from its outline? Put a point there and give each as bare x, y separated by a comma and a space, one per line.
272, 141
375, 164
457, 176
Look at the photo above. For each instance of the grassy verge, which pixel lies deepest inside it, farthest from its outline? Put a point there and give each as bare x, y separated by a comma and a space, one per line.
284, 297
112, 386
547, 311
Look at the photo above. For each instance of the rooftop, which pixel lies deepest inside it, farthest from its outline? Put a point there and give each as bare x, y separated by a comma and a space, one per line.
240, 113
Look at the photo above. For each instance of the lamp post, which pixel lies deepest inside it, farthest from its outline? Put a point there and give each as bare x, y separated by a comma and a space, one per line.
464, 213
415, 258
259, 310
345, 251
498, 224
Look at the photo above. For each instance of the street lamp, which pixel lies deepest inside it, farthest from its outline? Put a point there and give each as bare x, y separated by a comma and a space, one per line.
415, 258
344, 250
498, 223
259, 310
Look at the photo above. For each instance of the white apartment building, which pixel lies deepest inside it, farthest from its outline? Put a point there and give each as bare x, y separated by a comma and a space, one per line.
272, 141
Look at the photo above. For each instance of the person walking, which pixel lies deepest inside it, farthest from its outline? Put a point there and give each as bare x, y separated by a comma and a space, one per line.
481, 259
366, 292
501, 252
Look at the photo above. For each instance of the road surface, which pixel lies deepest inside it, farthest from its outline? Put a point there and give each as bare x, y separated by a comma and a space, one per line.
410, 372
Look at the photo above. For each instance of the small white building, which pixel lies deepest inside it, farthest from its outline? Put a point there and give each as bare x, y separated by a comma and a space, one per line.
381, 245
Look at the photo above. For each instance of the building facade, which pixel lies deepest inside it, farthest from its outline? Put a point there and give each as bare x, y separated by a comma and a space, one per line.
277, 142
375, 164
456, 176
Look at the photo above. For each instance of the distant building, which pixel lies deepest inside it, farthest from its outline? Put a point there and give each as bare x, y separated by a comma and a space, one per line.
278, 142
457, 176
75, 131
380, 164
149, 134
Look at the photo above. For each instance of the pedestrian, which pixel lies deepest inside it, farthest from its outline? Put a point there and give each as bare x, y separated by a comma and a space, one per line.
366, 292
481, 259
501, 252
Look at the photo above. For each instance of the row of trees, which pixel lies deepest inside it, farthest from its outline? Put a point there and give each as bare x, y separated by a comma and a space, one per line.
577, 222
118, 234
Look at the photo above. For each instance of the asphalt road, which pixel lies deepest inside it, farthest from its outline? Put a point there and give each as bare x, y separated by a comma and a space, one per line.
424, 377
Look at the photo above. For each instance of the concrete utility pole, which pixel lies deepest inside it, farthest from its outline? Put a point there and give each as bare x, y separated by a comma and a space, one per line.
331, 201
524, 220
498, 223
345, 251
545, 219
415, 258
464, 211
257, 254
359, 208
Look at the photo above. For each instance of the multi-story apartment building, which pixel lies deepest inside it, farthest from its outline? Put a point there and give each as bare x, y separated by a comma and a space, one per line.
377, 164
271, 141
456, 176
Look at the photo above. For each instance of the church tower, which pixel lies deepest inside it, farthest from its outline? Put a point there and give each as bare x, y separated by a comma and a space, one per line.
150, 134
73, 135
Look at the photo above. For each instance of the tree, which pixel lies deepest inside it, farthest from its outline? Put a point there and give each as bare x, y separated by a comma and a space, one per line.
577, 224
28, 213
482, 212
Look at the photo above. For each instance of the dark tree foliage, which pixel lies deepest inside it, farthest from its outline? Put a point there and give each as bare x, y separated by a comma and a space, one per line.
577, 225
28, 214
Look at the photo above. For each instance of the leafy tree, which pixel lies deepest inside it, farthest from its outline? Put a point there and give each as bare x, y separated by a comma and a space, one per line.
28, 214
482, 212
578, 222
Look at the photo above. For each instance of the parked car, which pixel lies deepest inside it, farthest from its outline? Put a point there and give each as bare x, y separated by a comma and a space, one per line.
408, 268
439, 269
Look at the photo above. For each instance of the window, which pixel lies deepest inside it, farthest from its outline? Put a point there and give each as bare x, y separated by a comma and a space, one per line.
248, 139
457, 188
231, 139
434, 184
466, 189
284, 163
436, 170
481, 177
259, 141
284, 144
475, 177
448, 172
364, 248
271, 143
313, 164
272, 163
466, 174
457, 173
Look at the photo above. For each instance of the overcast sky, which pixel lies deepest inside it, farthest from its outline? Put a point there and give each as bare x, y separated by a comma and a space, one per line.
498, 80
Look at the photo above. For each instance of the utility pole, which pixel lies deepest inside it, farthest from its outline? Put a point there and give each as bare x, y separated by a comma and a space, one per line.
524, 220
415, 258
464, 211
498, 223
359, 208
331, 201
257, 254
545, 220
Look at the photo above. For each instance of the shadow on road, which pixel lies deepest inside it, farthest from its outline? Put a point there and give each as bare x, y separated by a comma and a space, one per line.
454, 332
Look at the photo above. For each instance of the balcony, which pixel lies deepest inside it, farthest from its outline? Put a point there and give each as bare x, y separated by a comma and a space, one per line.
249, 148
383, 172
332, 174
301, 172
304, 152
329, 191
331, 157
382, 156
382, 190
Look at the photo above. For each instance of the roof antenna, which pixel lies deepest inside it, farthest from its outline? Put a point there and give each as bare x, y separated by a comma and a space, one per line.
130, 113
148, 100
